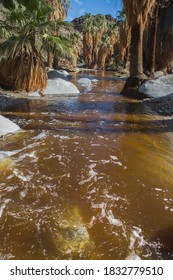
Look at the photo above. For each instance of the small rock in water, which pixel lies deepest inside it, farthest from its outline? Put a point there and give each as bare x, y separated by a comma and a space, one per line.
84, 82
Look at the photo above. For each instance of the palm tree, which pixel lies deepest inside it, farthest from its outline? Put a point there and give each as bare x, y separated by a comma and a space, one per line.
137, 12
59, 13
27, 26
165, 38
150, 35
22, 67
113, 33
87, 27
124, 38
98, 29
94, 28
105, 49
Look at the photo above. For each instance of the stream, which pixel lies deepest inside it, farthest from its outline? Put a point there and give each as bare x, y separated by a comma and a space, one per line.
89, 177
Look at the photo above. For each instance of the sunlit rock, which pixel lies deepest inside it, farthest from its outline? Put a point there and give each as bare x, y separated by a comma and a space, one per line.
58, 87
160, 87
7, 126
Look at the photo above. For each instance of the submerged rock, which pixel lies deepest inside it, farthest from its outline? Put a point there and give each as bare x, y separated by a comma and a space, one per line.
4, 163
7, 126
160, 87
46, 232
71, 236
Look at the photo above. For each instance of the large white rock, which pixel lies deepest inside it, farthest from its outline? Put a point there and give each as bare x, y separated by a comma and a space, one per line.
58, 87
160, 87
7, 126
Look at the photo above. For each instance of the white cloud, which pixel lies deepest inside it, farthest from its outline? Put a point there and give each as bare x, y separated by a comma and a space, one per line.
78, 2
82, 12
108, 1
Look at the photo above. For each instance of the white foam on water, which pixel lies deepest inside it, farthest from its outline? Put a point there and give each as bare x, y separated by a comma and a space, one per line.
91, 223
10, 189
95, 145
92, 174
21, 176
3, 206
23, 193
112, 220
133, 256
113, 158
159, 190
136, 239
6, 257
40, 136
114, 197
101, 206
6, 154
104, 161
31, 155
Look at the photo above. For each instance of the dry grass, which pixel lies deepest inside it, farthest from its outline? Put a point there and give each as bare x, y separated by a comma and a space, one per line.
25, 72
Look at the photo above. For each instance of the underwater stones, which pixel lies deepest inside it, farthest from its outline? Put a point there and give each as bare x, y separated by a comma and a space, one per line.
71, 236
7, 126
4, 163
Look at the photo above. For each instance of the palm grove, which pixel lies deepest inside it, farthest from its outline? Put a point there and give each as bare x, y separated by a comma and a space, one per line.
34, 34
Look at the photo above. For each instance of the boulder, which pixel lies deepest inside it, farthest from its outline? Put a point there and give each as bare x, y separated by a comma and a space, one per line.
158, 74
7, 126
55, 74
160, 87
85, 82
58, 87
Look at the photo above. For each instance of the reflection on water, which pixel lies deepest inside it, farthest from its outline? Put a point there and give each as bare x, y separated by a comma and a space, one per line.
89, 178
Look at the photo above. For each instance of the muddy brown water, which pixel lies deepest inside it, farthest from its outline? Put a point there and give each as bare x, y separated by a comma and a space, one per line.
90, 177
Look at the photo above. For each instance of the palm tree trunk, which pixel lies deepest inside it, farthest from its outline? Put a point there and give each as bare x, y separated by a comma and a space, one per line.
136, 57
50, 59
55, 62
152, 43
126, 57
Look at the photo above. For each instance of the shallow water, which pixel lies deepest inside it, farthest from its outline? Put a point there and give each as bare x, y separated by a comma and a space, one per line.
89, 178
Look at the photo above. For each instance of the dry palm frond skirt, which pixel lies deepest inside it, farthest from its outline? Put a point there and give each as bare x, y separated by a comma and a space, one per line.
23, 71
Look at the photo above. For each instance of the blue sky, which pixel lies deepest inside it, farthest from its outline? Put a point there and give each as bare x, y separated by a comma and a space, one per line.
80, 7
